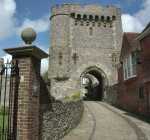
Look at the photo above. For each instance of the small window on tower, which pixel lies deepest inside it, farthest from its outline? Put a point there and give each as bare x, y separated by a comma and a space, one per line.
75, 57
84, 17
72, 15
102, 18
90, 31
90, 17
78, 16
87, 23
60, 58
82, 23
96, 18
93, 24
76, 22
99, 24
113, 17
108, 19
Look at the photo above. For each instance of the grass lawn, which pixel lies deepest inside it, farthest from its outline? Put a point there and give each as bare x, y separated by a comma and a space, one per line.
3, 135
5, 119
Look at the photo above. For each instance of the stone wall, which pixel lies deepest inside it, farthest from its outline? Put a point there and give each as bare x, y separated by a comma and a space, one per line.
59, 118
112, 94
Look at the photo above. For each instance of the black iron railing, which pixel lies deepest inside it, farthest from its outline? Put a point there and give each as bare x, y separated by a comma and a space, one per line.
8, 100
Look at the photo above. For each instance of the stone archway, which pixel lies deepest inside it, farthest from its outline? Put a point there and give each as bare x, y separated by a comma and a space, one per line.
94, 80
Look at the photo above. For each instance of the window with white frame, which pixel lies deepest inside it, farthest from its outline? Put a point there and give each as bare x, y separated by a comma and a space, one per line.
129, 66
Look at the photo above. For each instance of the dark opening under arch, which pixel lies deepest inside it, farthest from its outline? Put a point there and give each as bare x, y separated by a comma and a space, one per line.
94, 91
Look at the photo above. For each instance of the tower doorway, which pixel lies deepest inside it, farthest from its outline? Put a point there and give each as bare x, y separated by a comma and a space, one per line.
93, 82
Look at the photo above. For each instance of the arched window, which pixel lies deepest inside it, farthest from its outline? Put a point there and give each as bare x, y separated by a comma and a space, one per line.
113, 17
78, 16
96, 18
108, 19
102, 18
90, 17
84, 17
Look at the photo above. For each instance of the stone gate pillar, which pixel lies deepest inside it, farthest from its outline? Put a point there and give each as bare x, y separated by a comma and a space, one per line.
29, 61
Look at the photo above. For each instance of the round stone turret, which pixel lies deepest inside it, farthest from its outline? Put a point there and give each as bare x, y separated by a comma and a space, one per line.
28, 35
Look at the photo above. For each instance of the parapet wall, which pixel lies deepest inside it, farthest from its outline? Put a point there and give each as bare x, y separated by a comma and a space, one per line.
95, 9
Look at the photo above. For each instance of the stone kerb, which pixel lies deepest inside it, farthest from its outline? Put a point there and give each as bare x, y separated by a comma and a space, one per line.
29, 60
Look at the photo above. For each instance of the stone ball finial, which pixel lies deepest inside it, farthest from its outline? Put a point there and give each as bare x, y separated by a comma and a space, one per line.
28, 35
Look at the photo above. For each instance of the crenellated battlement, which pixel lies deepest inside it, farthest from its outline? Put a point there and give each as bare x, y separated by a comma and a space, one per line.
94, 20
86, 11
93, 17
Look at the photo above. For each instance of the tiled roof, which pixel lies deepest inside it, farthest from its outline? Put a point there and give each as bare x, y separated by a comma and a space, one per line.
148, 26
129, 43
130, 36
145, 32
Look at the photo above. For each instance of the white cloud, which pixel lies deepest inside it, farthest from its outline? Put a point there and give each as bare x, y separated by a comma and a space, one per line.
8, 26
7, 19
137, 22
7, 58
144, 14
131, 24
44, 62
44, 65
39, 25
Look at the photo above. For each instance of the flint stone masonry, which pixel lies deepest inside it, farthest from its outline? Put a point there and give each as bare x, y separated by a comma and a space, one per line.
59, 120
81, 43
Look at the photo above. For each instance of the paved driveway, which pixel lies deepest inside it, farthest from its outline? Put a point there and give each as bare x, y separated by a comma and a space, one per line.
100, 122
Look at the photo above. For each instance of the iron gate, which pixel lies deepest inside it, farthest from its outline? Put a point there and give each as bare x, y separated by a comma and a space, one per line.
9, 80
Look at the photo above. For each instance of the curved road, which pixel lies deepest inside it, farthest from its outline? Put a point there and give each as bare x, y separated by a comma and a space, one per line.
101, 123
109, 125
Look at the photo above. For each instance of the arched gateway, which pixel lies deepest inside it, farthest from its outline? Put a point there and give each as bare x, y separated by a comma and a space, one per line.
94, 80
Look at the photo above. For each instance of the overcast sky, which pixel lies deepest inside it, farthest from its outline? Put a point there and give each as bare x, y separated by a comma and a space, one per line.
15, 15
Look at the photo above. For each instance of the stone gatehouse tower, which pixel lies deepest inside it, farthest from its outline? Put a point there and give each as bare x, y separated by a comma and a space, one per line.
85, 40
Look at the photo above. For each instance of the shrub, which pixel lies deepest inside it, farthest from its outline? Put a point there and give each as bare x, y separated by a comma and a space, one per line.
75, 96
67, 98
